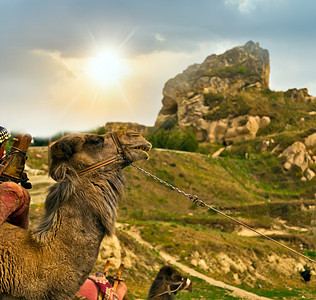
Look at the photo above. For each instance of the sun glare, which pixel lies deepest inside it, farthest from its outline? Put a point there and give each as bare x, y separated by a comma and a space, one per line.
107, 68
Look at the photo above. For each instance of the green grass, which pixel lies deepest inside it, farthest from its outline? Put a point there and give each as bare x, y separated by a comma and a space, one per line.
255, 190
203, 290
284, 113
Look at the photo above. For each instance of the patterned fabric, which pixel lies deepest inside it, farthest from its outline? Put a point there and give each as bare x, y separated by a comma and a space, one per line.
14, 204
97, 287
4, 134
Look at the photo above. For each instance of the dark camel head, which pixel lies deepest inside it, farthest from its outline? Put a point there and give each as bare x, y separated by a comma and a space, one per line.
168, 282
78, 151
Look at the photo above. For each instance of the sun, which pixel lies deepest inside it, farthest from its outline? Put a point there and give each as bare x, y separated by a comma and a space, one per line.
107, 68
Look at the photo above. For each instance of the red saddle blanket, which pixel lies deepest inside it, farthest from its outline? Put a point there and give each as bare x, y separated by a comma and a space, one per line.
97, 287
14, 204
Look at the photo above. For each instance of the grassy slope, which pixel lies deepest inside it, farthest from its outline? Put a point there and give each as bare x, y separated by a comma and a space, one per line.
254, 191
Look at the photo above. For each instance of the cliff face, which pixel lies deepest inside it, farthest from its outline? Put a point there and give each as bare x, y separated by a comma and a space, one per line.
184, 96
227, 97
226, 73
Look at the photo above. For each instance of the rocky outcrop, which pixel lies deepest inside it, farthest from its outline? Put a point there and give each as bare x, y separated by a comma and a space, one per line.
226, 74
230, 130
142, 129
310, 143
299, 95
298, 158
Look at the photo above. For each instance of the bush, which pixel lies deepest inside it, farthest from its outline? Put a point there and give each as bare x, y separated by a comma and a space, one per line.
176, 139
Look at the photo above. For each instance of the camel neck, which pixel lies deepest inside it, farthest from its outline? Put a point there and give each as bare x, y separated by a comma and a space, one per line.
78, 216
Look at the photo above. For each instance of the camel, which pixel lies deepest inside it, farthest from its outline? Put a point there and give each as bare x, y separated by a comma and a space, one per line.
167, 283
54, 260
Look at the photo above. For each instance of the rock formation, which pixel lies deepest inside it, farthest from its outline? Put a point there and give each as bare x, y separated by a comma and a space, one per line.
226, 74
111, 126
300, 95
310, 143
300, 158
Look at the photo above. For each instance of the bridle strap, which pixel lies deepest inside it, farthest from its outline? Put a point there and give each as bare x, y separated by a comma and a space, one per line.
117, 143
120, 155
169, 291
100, 164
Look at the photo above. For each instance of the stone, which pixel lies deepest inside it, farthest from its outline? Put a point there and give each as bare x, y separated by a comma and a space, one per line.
310, 142
264, 145
194, 262
202, 264
264, 122
229, 130
297, 156
287, 166
110, 248
309, 174
300, 95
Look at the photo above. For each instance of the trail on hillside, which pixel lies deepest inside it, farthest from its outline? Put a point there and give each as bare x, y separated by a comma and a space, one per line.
236, 292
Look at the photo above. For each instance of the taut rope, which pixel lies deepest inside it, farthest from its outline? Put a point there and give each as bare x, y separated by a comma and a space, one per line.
197, 202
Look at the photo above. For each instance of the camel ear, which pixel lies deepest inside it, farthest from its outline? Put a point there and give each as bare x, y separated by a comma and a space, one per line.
61, 149
60, 152
64, 148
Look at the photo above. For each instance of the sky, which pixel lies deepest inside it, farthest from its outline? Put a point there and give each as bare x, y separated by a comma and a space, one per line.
73, 65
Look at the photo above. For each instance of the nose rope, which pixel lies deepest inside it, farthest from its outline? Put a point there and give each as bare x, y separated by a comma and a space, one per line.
120, 156
169, 291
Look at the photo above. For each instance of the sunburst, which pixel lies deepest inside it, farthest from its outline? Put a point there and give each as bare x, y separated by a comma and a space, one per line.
107, 68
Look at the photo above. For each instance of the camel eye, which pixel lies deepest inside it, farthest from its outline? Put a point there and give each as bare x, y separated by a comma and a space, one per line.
96, 141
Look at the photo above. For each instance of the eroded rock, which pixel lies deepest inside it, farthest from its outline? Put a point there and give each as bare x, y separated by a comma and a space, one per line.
297, 157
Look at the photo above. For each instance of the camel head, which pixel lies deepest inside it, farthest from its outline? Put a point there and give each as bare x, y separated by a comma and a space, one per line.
168, 282
78, 151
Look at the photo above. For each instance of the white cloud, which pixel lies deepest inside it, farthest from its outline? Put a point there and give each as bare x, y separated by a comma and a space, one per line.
72, 66
248, 6
159, 37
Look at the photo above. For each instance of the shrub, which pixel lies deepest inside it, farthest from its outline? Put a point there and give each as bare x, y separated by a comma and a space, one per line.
228, 72
176, 139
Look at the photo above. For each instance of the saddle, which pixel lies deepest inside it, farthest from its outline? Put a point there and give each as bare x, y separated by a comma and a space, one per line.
12, 165
101, 286
14, 199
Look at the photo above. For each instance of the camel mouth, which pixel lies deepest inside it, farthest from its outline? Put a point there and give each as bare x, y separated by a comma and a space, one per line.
144, 148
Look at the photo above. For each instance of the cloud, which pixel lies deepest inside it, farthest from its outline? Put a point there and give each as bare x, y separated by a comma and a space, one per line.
45, 44
159, 37
251, 6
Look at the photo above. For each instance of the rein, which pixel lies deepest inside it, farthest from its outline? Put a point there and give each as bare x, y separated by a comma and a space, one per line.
169, 291
195, 200
120, 156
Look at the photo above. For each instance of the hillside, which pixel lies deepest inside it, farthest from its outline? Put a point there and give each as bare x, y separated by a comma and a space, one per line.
276, 205
250, 152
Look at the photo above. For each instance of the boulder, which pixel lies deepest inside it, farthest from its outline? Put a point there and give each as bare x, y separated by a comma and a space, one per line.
310, 142
299, 95
309, 174
231, 129
297, 157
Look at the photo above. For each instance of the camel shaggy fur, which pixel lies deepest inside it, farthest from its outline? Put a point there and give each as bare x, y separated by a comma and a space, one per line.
167, 283
54, 260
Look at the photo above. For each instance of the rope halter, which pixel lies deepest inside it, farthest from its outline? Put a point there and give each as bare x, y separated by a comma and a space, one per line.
119, 156
181, 283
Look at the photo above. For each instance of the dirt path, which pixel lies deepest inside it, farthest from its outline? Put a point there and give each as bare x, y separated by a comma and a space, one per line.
236, 292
